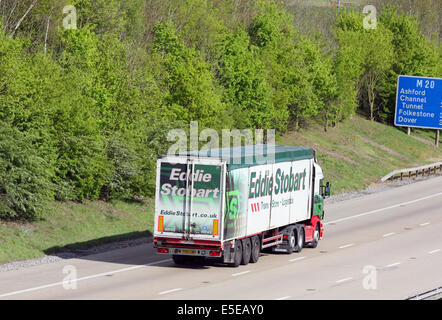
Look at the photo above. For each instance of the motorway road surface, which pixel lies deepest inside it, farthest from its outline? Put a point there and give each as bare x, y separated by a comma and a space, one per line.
394, 236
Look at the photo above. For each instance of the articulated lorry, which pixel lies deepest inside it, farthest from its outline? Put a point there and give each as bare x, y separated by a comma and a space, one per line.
231, 204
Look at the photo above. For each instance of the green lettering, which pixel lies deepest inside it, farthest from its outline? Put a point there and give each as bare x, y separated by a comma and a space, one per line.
252, 184
278, 181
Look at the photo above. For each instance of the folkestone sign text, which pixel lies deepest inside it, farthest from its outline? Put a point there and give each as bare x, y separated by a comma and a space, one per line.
419, 102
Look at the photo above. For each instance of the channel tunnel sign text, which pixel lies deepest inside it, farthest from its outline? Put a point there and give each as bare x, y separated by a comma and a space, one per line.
419, 102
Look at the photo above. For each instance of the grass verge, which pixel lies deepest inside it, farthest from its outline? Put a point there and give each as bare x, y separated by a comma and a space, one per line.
66, 226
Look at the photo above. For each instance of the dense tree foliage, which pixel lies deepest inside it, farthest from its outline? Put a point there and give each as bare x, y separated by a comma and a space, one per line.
84, 112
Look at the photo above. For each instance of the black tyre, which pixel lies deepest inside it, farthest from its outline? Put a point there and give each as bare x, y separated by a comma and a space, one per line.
246, 251
315, 241
299, 240
291, 242
238, 254
256, 249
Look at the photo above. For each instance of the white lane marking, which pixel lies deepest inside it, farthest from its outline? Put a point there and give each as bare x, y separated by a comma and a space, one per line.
424, 224
83, 278
170, 291
434, 251
384, 209
297, 259
344, 280
389, 234
346, 246
283, 298
393, 265
240, 273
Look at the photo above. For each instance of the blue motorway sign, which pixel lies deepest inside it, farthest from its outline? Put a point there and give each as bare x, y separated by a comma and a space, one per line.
419, 102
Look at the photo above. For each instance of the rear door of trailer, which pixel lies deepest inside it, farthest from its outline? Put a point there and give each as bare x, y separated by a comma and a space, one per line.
189, 198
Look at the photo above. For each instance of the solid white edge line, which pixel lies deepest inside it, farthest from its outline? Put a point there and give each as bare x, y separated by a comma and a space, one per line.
383, 209
170, 291
82, 278
434, 251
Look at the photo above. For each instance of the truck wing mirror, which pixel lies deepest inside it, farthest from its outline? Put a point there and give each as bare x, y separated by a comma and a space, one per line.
327, 190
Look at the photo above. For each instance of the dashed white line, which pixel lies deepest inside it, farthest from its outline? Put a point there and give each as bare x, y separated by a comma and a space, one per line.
424, 224
389, 234
283, 298
346, 246
240, 273
434, 251
170, 291
344, 280
296, 259
392, 265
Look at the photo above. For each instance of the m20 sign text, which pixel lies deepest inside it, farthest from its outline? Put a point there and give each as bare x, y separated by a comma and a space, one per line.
419, 102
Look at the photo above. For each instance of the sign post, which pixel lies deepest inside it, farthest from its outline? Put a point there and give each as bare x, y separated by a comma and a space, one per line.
437, 138
419, 103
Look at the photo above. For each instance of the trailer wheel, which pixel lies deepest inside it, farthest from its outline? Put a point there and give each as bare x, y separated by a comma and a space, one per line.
246, 251
256, 249
238, 254
299, 240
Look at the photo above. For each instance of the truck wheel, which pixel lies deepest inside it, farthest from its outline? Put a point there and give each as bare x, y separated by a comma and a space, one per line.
299, 240
291, 242
238, 254
246, 251
256, 246
315, 241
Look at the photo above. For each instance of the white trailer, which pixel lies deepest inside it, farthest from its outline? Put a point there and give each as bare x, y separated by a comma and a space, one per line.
230, 204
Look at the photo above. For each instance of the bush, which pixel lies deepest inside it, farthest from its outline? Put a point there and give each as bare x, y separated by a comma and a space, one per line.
25, 180
124, 169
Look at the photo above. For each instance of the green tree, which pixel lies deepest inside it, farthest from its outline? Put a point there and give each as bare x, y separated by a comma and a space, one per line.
413, 54
191, 94
25, 178
373, 52
246, 91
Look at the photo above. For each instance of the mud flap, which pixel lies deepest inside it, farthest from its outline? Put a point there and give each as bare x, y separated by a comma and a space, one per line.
229, 252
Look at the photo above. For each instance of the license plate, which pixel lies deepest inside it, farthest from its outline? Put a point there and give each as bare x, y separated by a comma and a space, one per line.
188, 251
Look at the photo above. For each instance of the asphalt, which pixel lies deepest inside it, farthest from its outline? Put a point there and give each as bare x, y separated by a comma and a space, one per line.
385, 245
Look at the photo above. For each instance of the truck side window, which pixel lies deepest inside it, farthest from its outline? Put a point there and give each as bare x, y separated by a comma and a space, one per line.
321, 187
